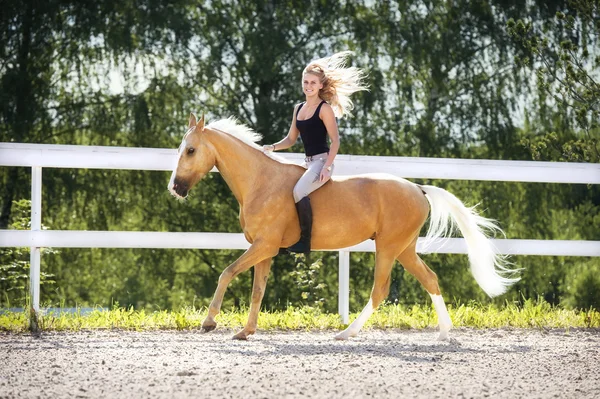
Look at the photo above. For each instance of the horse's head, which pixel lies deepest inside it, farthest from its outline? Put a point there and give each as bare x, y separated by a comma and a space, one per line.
195, 159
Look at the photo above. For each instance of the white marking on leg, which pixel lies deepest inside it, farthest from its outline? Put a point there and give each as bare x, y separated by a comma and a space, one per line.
357, 324
444, 321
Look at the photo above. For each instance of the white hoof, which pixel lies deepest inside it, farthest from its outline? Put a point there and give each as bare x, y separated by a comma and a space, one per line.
344, 335
444, 330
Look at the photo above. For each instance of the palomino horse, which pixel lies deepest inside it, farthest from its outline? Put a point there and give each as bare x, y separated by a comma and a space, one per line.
346, 211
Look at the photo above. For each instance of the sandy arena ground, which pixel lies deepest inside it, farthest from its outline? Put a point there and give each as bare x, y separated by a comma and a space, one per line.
377, 364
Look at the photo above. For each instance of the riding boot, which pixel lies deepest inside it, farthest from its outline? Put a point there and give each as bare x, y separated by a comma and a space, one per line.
305, 217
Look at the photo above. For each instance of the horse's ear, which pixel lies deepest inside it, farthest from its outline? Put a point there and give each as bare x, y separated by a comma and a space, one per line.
201, 123
192, 121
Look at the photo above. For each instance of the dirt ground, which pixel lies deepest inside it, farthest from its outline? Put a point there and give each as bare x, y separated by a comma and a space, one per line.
380, 364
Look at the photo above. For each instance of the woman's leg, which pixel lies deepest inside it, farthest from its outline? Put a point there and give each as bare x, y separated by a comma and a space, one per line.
308, 183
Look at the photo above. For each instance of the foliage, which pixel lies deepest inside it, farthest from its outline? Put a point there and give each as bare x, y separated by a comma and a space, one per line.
306, 275
14, 262
444, 83
564, 58
582, 286
532, 314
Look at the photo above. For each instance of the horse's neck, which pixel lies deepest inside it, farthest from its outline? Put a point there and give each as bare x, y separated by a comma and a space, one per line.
239, 164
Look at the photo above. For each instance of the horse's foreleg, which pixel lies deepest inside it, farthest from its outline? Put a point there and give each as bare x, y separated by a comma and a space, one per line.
261, 274
256, 253
415, 266
384, 261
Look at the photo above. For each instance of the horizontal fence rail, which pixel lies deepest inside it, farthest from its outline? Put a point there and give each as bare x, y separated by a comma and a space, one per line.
173, 240
38, 156
71, 156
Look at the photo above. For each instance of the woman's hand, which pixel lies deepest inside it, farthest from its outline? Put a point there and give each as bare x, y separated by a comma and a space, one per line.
325, 175
268, 148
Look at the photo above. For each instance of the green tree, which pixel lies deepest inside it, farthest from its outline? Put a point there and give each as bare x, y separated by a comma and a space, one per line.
49, 75
563, 55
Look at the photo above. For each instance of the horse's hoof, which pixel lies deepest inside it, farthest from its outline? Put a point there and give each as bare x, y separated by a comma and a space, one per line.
344, 335
241, 336
208, 327
444, 330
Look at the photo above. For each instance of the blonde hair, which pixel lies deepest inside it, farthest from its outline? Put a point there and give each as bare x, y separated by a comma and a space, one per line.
339, 82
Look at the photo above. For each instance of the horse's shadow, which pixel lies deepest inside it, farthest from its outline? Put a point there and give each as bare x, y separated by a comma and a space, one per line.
382, 347
410, 352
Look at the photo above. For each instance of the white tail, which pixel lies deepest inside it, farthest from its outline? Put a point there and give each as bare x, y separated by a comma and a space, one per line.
487, 266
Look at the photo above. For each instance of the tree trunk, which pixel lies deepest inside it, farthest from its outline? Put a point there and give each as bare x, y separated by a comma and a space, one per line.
23, 113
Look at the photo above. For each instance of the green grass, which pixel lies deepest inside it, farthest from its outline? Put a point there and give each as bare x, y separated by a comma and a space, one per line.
532, 314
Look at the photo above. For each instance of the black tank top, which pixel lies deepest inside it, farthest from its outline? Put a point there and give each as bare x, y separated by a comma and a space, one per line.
313, 133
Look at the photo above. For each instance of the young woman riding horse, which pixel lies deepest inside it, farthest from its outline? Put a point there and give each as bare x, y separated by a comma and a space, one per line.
327, 85
347, 211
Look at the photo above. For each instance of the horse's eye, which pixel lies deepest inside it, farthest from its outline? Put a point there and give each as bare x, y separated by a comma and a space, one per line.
190, 151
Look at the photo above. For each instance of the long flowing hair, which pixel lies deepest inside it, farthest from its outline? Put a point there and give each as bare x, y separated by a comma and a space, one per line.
339, 81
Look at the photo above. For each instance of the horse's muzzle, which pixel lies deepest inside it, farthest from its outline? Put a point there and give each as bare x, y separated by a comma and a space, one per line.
180, 189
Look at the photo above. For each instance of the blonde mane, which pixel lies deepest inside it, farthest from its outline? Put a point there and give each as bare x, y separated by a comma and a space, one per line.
243, 133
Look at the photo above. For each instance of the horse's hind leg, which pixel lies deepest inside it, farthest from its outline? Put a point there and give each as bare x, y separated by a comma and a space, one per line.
384, 260
428, 279
261, 273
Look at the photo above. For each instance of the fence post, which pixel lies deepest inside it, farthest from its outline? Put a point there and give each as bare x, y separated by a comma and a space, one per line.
35, 256
344, 286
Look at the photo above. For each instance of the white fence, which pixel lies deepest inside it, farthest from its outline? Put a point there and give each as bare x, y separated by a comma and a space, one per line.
38, 156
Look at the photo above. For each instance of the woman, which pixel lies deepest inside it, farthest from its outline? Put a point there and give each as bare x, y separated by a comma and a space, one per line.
327, 84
